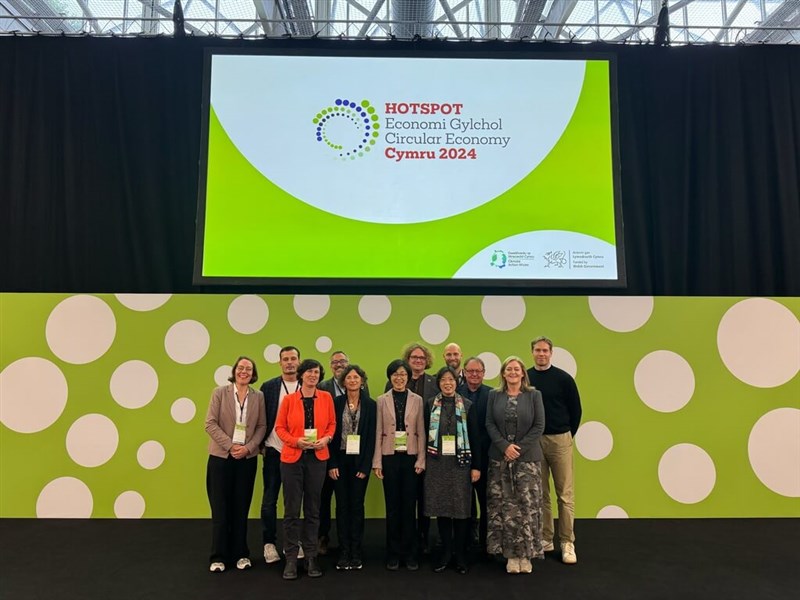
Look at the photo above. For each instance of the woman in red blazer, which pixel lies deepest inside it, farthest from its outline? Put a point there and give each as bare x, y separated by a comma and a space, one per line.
305, 423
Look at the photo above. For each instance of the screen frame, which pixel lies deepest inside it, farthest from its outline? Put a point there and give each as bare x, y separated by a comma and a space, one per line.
413, 50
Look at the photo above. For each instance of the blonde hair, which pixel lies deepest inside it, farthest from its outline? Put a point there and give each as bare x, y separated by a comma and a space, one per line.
525, 384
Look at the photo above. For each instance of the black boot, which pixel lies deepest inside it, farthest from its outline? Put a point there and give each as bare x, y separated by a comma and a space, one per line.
290, 570
312, 567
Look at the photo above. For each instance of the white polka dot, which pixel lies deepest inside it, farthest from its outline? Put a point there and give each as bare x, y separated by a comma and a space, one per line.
248, 314
612, 512
564, 360
65, 498
312, 308
759, 341
129, 505
687, 473
272, 353
434, 329
33, 394
493, 364
187, 342
80, 329
664, 381
374, 309
134, 384
594, 440
183, 410
774, 451
503, 313
323, 343
221, 375
621, 313
150, 455
92, 440
143, 302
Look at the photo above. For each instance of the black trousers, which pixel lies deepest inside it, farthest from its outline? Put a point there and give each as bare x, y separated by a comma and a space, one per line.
271, 476
400, 494
480, 494
325, 507
453, 533
302, 487
229, 484
350, 494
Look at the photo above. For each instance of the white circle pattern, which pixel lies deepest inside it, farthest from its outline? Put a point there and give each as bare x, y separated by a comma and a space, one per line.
27, 408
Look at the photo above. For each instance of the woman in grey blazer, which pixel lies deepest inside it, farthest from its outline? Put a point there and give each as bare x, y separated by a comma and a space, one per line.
236, 423
515, 421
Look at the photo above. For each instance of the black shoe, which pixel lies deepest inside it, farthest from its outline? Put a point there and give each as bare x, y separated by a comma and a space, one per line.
412, 564
290, 570
312, 567
444, 561
461, 569
343, 564
356, 564
323, 545
393, 564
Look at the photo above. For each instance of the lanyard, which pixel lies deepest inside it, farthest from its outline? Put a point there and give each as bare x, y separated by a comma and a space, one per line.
286, 389
241, 405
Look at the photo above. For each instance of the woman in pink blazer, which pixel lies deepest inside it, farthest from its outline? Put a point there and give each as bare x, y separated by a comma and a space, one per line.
399, 460
236, 423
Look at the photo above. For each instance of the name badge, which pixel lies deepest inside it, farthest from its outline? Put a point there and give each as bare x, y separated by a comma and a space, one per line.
239, 432
448, 445
310, 435
353, 444
401, 441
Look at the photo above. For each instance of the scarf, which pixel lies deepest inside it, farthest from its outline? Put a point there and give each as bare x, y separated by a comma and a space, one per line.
463, 452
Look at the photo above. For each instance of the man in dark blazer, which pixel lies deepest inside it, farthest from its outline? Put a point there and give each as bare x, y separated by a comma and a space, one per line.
274, 391
478, 392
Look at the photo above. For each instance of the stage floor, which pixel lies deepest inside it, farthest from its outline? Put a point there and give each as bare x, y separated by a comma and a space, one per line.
753, 559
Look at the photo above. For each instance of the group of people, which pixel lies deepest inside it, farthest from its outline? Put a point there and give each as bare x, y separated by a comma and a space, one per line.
442, 445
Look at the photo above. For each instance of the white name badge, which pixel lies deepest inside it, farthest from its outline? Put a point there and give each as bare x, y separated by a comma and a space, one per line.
310, 435
239, 432
448, 445
401, 441
353, 444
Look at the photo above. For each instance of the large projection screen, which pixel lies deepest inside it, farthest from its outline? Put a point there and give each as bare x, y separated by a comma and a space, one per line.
475, 173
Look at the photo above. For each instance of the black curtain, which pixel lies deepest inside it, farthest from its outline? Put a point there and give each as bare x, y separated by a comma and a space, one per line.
100, 143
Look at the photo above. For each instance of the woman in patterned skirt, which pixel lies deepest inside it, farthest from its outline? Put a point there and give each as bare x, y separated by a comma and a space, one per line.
515, 421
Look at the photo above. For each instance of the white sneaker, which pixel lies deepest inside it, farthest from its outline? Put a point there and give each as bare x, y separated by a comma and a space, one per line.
512, 566
271, 554
568, 556
548, 546
300, 553
243, 563
525, 565
217, 567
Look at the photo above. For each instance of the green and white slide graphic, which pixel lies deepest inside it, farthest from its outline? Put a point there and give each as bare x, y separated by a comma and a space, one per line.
691, 406
419, 158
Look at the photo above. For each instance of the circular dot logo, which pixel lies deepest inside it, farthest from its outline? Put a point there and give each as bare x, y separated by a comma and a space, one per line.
348, 128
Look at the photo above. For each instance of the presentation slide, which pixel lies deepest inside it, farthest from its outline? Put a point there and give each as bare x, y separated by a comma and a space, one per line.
419, 171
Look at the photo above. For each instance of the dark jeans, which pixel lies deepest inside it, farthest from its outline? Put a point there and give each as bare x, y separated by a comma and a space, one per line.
229, 483
423, 521
350, 493
480, 493
271, 474
400, 494
325, 508
302, 486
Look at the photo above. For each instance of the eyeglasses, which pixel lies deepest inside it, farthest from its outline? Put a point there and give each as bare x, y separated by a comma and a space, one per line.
339, 362
399, 375
473, 371
412, 357
244, 370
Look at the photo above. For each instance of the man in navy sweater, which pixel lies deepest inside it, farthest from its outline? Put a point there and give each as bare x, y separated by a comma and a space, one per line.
562, 416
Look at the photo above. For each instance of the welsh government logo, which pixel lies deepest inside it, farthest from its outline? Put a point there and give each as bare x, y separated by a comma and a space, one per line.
499, 259
347, 128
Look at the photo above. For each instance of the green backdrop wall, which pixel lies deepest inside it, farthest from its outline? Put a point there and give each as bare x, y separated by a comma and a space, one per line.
691, 405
